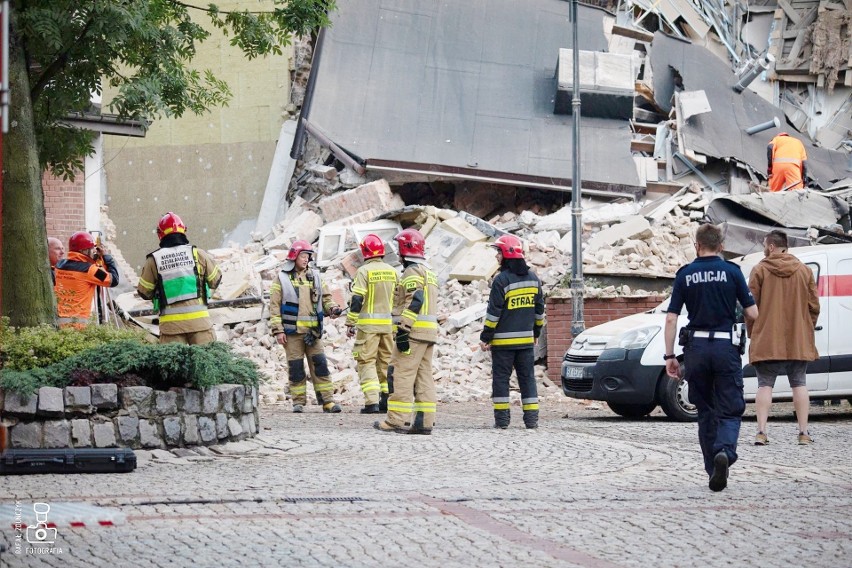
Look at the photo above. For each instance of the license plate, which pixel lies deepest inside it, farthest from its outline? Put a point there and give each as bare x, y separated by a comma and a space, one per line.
575, 372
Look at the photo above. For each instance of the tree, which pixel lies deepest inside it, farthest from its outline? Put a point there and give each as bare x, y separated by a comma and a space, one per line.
61, 51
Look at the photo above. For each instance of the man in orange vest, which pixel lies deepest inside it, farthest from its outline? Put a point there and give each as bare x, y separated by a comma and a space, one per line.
78, 276
787, 158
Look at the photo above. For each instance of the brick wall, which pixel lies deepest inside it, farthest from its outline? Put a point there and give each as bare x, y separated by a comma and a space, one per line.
595, 312
64, 206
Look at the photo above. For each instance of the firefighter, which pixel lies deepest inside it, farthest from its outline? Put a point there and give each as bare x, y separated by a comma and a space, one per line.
513, 322
787, 163
86, 267
411, 386
369, 321
298, 301
178, 277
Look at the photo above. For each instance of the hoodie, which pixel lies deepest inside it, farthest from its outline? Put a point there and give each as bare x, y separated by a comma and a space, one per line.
788, 308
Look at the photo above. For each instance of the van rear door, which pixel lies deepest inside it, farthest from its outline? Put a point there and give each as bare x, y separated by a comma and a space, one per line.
839, 312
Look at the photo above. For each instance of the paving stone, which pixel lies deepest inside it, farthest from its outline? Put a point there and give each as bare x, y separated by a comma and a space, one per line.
50, 402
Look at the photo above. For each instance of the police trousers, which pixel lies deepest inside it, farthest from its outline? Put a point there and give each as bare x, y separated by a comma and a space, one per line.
372, 353
412, 386
714, 374
297, 351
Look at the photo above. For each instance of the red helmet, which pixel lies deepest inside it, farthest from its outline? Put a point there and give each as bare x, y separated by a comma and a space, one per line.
297, 247
170, 223
80, 241
411, 243
372, 246
509, 246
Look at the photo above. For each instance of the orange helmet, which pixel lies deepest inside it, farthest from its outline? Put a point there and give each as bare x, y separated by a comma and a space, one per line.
80, 241
170, 223
411, 243
509, 246
298, 247
372, 246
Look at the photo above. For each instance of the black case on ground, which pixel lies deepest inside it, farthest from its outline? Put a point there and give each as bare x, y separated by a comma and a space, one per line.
67, 460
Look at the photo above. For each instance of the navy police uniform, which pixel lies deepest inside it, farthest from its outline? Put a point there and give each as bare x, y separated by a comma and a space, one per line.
711, 287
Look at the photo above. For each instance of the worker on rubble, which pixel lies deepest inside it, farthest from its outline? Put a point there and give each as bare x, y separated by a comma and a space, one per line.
369, 321
513, 322
298, 301
411, 386
55, 251
87, 267
178, 277
787, 161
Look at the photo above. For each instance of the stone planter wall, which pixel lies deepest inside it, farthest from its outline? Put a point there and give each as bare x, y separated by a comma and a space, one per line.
105, 416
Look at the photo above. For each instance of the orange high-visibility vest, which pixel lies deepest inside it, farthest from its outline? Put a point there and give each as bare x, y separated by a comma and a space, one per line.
788, 157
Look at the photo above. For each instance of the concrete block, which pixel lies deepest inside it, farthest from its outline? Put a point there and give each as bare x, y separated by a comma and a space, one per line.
26, 435
374, 195
171, 430
477, 262
78, 399
441, 246
128, 430
306, 226
149, 436
51, 401
138, 400
165, 402
221, 426
104, 435
191, 401
190, 429
322, 171
81, 433
633, 227
461, 227
57, 434
468, 315
20, 405
105, 396
207, 429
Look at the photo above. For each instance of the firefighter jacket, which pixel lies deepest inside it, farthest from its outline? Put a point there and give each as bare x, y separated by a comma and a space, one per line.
178, 279
298, 302
375, 282
77, 278
416, 302
515, 313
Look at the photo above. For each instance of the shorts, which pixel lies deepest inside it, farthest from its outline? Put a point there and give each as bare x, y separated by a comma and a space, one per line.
767, 371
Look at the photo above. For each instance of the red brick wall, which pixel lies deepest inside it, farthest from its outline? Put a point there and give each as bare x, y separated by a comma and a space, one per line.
595, 312
64, 206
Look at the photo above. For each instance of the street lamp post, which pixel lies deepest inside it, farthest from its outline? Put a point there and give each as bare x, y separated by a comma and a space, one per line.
577, 286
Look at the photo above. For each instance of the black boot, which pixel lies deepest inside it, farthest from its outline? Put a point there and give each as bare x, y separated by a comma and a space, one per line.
370, 409
417, 427
501, 419
383, 402
531, 419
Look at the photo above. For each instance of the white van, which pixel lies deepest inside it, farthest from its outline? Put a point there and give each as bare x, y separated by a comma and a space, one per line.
621, 362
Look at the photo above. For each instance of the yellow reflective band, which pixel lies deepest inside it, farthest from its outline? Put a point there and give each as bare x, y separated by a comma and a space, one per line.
521, 292
513, 341
369, 387
400, 406
424, 406
384, 388
275, 286
184, 317
533, 406
212, 276
490, 323
358, 290
501, 406
275, 319
324, 387
145, 284
387, 321
425, 325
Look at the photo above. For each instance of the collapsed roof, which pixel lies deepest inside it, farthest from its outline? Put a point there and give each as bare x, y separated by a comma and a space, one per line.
464, 89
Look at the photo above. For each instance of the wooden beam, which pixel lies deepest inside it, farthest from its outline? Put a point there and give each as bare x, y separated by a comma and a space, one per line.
644, 127
791, 12
642, 146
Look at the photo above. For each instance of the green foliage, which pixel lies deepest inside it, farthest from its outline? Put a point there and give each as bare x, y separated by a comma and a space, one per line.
144, 49
35, 347
130, 362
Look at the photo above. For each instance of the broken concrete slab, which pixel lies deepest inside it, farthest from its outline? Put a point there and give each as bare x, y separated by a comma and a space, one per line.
441, 246
461, 227
606, 84
476, 262
635, 227
374, 195
468, 315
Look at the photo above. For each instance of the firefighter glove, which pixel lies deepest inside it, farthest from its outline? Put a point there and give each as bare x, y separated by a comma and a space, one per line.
402, 342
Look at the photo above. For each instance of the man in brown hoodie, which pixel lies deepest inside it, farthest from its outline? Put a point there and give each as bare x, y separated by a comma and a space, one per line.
782, 337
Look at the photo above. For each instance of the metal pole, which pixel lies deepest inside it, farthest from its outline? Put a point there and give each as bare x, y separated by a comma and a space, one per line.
577, 285
774, 123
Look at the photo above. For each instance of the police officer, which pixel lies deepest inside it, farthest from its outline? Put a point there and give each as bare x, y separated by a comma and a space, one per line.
711, 287
513, 321
370, 321
298, 302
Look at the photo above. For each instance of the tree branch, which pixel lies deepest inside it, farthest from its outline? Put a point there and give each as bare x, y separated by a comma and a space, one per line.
58, 63
209, 11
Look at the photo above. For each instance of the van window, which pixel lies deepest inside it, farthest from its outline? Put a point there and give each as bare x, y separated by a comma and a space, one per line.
815, 269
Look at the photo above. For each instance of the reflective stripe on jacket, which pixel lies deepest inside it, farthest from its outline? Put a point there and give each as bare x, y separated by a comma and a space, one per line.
77, 278
376, 282
515, 311
424, 322
296, 313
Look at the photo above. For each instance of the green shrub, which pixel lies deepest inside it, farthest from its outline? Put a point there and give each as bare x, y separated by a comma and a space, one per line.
42, 346
130, 362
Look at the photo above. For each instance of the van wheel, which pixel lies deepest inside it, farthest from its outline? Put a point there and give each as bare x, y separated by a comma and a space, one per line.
632, 410
673, 396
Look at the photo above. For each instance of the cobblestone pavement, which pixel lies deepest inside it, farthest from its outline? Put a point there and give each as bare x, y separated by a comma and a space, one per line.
587, 489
